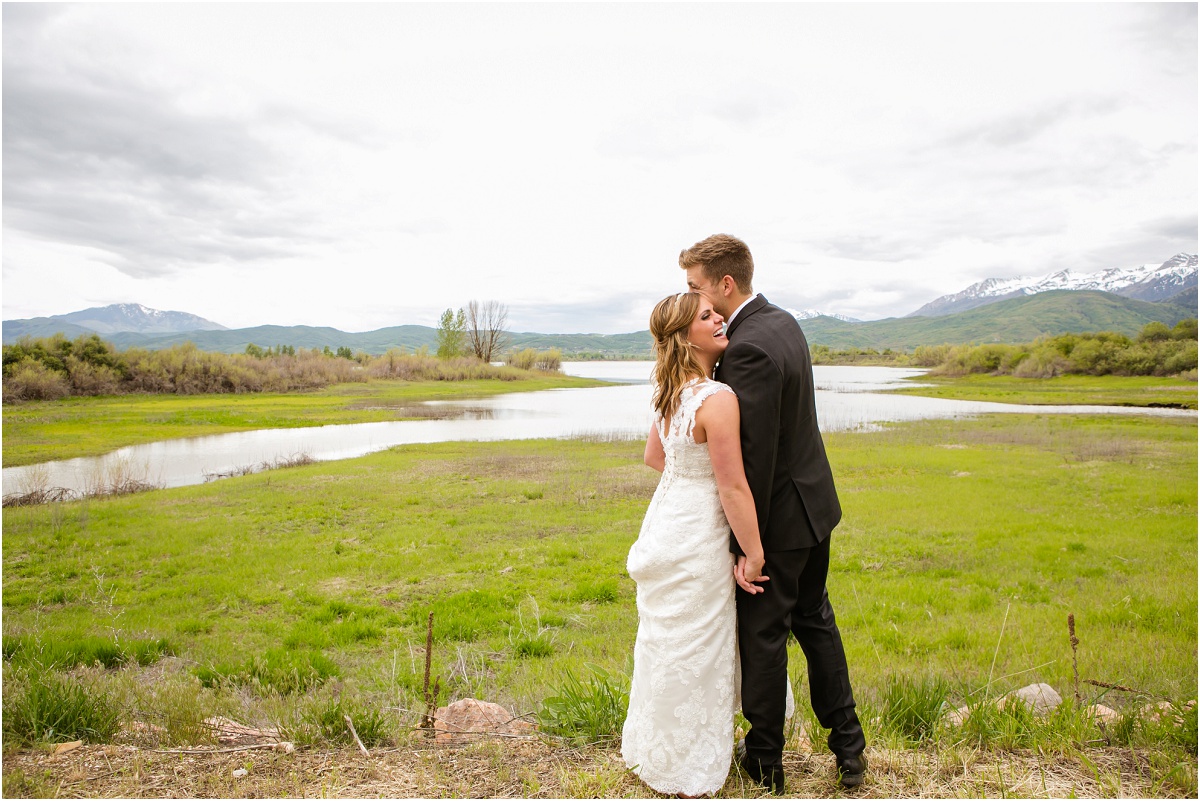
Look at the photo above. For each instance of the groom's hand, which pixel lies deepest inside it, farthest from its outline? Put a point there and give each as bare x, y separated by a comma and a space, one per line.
748, 573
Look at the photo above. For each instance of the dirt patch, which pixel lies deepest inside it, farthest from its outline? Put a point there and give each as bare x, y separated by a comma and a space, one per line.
535, 768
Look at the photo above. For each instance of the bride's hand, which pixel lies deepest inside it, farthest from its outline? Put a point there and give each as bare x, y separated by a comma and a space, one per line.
748, 573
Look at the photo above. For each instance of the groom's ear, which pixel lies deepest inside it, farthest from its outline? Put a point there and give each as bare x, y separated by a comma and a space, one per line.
728, 285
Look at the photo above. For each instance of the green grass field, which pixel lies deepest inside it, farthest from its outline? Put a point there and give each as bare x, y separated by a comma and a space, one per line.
290, 596
952, 531
1108, 390
40, 431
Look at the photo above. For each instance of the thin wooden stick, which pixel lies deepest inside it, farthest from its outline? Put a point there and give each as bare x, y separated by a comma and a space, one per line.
1074, 655
427, 721
350, 723
1108, 686
212, 750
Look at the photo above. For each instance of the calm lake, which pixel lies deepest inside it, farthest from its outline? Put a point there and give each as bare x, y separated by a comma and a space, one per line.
848, 399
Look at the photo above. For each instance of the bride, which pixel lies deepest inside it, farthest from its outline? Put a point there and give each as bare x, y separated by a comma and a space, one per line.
678, 734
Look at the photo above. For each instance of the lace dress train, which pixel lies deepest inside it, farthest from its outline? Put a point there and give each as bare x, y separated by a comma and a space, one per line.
678, 734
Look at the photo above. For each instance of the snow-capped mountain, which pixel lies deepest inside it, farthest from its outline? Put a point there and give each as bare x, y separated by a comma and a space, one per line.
1148, 282
808, 314
117, 318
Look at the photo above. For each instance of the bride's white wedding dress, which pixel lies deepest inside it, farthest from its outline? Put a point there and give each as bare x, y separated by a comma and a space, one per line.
678, 735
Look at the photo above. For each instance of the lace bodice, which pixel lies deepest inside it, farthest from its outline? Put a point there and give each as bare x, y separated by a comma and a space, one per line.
685, 456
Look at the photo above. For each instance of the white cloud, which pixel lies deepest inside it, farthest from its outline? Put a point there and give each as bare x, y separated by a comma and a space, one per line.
364, 165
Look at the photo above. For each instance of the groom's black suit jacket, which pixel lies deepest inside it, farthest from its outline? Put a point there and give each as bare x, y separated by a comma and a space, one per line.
767, 364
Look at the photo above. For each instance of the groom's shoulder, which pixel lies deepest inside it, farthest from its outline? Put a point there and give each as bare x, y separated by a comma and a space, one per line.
772, 317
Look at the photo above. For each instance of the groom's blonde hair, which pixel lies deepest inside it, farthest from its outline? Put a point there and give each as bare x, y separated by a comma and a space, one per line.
721, 255
675, 361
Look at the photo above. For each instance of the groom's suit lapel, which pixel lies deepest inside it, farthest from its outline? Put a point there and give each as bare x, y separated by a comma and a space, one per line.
753, 306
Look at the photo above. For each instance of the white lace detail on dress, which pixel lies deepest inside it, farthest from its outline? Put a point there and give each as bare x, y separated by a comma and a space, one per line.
678, 735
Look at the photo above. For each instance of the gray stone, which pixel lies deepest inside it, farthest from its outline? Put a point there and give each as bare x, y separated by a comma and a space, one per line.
1040, 698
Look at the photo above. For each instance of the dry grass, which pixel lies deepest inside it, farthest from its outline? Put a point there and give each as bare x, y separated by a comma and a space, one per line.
536, 769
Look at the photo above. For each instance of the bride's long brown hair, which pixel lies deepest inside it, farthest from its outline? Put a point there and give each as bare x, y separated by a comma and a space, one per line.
674, 359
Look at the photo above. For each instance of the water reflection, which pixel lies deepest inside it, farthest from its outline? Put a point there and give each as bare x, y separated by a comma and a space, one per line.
848, 399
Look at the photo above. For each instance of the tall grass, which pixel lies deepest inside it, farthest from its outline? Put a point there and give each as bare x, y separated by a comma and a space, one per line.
586, 712
83, 651
55, 367
44, 706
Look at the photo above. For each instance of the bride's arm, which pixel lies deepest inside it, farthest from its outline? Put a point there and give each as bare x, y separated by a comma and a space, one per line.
654, 450
718, 420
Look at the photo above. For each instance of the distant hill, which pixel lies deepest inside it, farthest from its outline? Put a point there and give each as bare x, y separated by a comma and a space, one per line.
1020, 319
410, 337
119, 317
1149, 282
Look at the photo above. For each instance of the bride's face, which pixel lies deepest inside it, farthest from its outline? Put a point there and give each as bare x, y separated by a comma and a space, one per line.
707, 331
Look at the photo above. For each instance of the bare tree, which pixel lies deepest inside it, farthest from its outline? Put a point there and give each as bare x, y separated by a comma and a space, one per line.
486, 334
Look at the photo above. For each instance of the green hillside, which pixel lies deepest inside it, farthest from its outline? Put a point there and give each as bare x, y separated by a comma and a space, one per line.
1017, 320
1010, 321
409, 337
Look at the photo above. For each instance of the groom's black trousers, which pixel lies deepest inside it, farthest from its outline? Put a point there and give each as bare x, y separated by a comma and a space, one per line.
794, 600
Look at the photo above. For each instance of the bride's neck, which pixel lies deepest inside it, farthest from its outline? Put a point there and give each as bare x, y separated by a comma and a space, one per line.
707, 363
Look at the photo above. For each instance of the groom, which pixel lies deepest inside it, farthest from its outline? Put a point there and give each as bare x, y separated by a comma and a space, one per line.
767, 365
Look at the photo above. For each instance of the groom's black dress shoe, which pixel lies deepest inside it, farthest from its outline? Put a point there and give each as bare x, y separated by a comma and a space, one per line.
769, 776
851, 770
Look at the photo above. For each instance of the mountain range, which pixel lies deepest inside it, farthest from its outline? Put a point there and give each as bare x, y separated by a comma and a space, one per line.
995, 310
1150, 282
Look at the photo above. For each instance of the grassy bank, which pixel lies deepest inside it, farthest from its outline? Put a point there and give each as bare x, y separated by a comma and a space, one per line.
1066, 390
39, 431
964, 547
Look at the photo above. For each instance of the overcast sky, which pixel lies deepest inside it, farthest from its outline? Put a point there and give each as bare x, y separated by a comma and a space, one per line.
360, 166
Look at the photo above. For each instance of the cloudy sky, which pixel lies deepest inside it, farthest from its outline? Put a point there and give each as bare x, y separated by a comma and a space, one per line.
361, 166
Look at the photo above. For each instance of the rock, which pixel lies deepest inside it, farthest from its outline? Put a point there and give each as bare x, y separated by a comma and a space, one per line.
470, 716
1102, 714
802, 741
1165, 712
240, 773
958, 716
1040, 698
63, 748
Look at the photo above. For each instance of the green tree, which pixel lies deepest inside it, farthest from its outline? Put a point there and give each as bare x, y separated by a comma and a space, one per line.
451, 334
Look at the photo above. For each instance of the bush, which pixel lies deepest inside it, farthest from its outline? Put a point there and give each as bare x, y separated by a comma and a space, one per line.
1158, 350
549, 361
522, 360
46, 707
32, 380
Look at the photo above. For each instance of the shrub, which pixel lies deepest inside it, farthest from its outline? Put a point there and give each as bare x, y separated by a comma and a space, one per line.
45, 707
32, 380
89, 379
522, 360
549, 361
